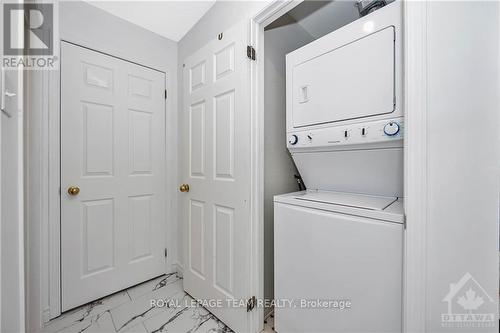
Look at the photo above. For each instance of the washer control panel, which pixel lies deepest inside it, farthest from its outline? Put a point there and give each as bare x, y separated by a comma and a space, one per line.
358, 133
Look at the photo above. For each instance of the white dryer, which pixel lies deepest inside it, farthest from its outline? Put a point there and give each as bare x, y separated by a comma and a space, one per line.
338, 247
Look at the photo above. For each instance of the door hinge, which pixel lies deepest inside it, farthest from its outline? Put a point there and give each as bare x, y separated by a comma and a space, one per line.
166, 253
166, 94
404, 222
251, 303
250, 52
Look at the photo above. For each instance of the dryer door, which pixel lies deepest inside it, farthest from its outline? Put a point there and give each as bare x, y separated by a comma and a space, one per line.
332, 82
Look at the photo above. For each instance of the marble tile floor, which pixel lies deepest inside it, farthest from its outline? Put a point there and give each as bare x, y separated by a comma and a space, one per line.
269, 324
130, 311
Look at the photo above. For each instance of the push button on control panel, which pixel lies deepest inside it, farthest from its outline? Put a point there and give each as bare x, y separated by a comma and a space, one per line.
391, 128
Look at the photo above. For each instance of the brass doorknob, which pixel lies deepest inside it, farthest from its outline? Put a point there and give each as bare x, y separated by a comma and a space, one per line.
73, 190
184, 188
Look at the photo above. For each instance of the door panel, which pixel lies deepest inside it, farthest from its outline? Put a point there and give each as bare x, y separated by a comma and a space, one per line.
223, 243
140, 227
196, 238
216, 210
197, 139
224, 136
98, 241
140, 130
97, 139
113, 149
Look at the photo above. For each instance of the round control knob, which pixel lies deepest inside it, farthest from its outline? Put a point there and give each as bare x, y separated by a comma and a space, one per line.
293, 139
391, 128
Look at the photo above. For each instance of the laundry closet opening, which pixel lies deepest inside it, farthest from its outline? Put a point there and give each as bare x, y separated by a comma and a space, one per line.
370, 169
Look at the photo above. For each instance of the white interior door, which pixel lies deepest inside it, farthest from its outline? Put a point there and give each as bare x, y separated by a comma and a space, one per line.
113, 150
216, 210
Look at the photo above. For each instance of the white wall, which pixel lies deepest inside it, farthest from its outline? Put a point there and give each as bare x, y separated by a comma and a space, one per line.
463, 145
221, 16
92, 27
11, 205
279, 170
88, 26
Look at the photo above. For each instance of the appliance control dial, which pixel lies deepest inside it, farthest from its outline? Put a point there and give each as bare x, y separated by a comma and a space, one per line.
293, 139
391, 128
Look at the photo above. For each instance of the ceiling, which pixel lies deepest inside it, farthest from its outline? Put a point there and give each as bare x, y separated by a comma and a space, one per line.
170, 19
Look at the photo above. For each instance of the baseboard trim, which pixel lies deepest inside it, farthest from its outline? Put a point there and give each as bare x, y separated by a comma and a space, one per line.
179, 268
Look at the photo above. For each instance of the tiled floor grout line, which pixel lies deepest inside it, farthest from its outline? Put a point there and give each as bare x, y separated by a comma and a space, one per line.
112, 319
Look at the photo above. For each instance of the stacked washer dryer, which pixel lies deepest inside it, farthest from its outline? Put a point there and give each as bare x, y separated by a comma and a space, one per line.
342, 239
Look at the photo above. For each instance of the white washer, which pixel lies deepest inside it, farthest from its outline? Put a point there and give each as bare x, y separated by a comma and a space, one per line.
338, 246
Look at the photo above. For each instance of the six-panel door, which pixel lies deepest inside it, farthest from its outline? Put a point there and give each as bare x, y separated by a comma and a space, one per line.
216, 166
113, 151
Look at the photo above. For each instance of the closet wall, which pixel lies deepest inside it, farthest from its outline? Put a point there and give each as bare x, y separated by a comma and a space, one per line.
281, 37
463, 155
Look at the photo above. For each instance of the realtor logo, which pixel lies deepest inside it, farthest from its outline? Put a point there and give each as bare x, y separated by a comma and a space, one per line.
466, 300
28, 35
36, 22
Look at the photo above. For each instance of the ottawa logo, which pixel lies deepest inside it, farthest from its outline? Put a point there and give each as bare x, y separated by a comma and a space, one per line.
465, 300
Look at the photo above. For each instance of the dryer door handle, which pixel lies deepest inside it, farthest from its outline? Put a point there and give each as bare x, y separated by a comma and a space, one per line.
304, 94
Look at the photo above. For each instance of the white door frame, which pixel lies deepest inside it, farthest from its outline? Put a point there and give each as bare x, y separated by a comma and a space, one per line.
416, 170
267, 15
13, 202
44, 278
415, 67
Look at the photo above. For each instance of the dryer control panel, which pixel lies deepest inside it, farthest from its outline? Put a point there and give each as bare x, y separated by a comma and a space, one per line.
354, 134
